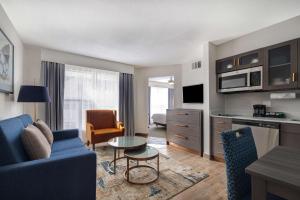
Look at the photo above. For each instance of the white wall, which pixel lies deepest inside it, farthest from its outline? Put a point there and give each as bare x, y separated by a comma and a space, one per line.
31, 76
84, 61
242, 103
141, 91
8, 105
284, 31
205, 76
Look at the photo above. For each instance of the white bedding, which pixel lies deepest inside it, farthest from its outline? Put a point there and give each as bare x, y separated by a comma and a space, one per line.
159, 118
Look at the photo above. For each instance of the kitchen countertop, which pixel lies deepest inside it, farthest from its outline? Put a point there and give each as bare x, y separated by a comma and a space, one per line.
265, 119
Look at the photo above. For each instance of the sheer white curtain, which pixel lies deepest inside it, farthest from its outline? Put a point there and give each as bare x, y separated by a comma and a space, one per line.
88, 88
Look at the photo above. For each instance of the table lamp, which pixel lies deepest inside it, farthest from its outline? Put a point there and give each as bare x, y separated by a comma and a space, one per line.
33, 94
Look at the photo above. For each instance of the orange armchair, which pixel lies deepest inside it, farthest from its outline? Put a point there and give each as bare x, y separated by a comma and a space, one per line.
102, 125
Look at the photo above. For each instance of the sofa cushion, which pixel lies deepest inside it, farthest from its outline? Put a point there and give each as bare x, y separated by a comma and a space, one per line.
35, 143
44, 128
69, 151
62, 145
12, 150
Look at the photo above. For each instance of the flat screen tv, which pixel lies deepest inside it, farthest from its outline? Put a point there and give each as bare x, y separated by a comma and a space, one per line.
193, 94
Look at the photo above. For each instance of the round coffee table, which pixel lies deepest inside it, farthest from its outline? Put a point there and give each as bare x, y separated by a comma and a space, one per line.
126, 143
144, 154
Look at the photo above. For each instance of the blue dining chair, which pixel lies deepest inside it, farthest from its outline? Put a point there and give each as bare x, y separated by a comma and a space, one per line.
239, 153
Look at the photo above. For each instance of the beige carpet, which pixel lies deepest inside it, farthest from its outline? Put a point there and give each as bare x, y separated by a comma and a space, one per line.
174, 178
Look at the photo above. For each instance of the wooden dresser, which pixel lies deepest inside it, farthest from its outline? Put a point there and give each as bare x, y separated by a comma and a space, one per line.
184, 128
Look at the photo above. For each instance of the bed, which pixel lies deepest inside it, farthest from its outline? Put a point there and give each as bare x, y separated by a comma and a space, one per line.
159, 119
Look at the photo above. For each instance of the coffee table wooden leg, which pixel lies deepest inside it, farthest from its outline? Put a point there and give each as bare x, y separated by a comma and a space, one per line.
115, 159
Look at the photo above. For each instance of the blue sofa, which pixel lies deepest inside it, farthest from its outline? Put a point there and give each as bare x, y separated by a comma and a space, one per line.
69, 173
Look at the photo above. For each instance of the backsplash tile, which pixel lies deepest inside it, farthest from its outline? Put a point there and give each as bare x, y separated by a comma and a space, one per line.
242, 104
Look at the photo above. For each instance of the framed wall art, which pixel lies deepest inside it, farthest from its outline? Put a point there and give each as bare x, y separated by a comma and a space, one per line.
6, 64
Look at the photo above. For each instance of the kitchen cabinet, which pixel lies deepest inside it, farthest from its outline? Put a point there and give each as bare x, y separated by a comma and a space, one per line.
218, 125
290, 135
241, 61
249, 59
225, 65
280, 68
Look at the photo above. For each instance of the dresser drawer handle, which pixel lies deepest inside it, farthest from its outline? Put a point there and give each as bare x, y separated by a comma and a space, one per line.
220, 122
181, 137
220, 143
181, 125
182, 113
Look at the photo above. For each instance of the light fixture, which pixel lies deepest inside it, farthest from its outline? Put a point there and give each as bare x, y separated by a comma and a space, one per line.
33, 94
171, 81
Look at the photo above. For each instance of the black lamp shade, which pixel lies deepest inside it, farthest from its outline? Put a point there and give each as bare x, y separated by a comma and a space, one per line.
30, 93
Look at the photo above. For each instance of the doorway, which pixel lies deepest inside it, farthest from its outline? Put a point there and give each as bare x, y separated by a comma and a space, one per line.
161, 98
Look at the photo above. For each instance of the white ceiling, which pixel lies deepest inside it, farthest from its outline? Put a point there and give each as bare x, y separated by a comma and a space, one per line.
142, 32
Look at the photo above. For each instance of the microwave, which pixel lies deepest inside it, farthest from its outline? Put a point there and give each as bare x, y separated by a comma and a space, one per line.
241, 80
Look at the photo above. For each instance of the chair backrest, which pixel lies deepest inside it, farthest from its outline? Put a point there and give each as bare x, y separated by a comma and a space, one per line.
102, 118
239, 152
11, 146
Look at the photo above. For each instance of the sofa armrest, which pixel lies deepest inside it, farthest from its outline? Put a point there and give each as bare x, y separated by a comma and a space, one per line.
65, 134
69, 176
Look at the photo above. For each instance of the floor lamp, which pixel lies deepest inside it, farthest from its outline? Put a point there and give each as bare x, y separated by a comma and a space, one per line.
33, 94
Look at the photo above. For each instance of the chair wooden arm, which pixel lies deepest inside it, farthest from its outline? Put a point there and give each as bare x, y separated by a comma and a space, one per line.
89, 130
120, 125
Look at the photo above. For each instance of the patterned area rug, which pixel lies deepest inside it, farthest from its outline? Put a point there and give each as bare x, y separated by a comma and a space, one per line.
174, 178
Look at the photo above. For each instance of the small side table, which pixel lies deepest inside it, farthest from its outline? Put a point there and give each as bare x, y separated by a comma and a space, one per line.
126, 143
148, 153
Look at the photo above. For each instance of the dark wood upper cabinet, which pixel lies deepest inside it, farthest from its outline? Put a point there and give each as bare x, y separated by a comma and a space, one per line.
280, 70
225, 65
241, 61
250, 59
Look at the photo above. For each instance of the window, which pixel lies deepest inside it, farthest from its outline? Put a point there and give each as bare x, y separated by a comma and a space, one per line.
88, 88
158, 100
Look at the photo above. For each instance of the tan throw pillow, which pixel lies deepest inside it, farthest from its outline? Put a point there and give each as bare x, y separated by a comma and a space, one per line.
35, 143
45, 130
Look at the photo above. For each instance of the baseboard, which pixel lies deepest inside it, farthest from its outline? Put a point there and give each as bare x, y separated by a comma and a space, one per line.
218, 159
209, 157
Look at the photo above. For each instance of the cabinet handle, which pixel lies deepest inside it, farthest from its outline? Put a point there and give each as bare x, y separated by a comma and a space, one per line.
238, 61
220, 143
294, 77
180, 125
220, 122
181, 137
182, 113
234, 62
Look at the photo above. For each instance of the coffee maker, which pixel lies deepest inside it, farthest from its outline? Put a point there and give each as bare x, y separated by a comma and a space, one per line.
259, 110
